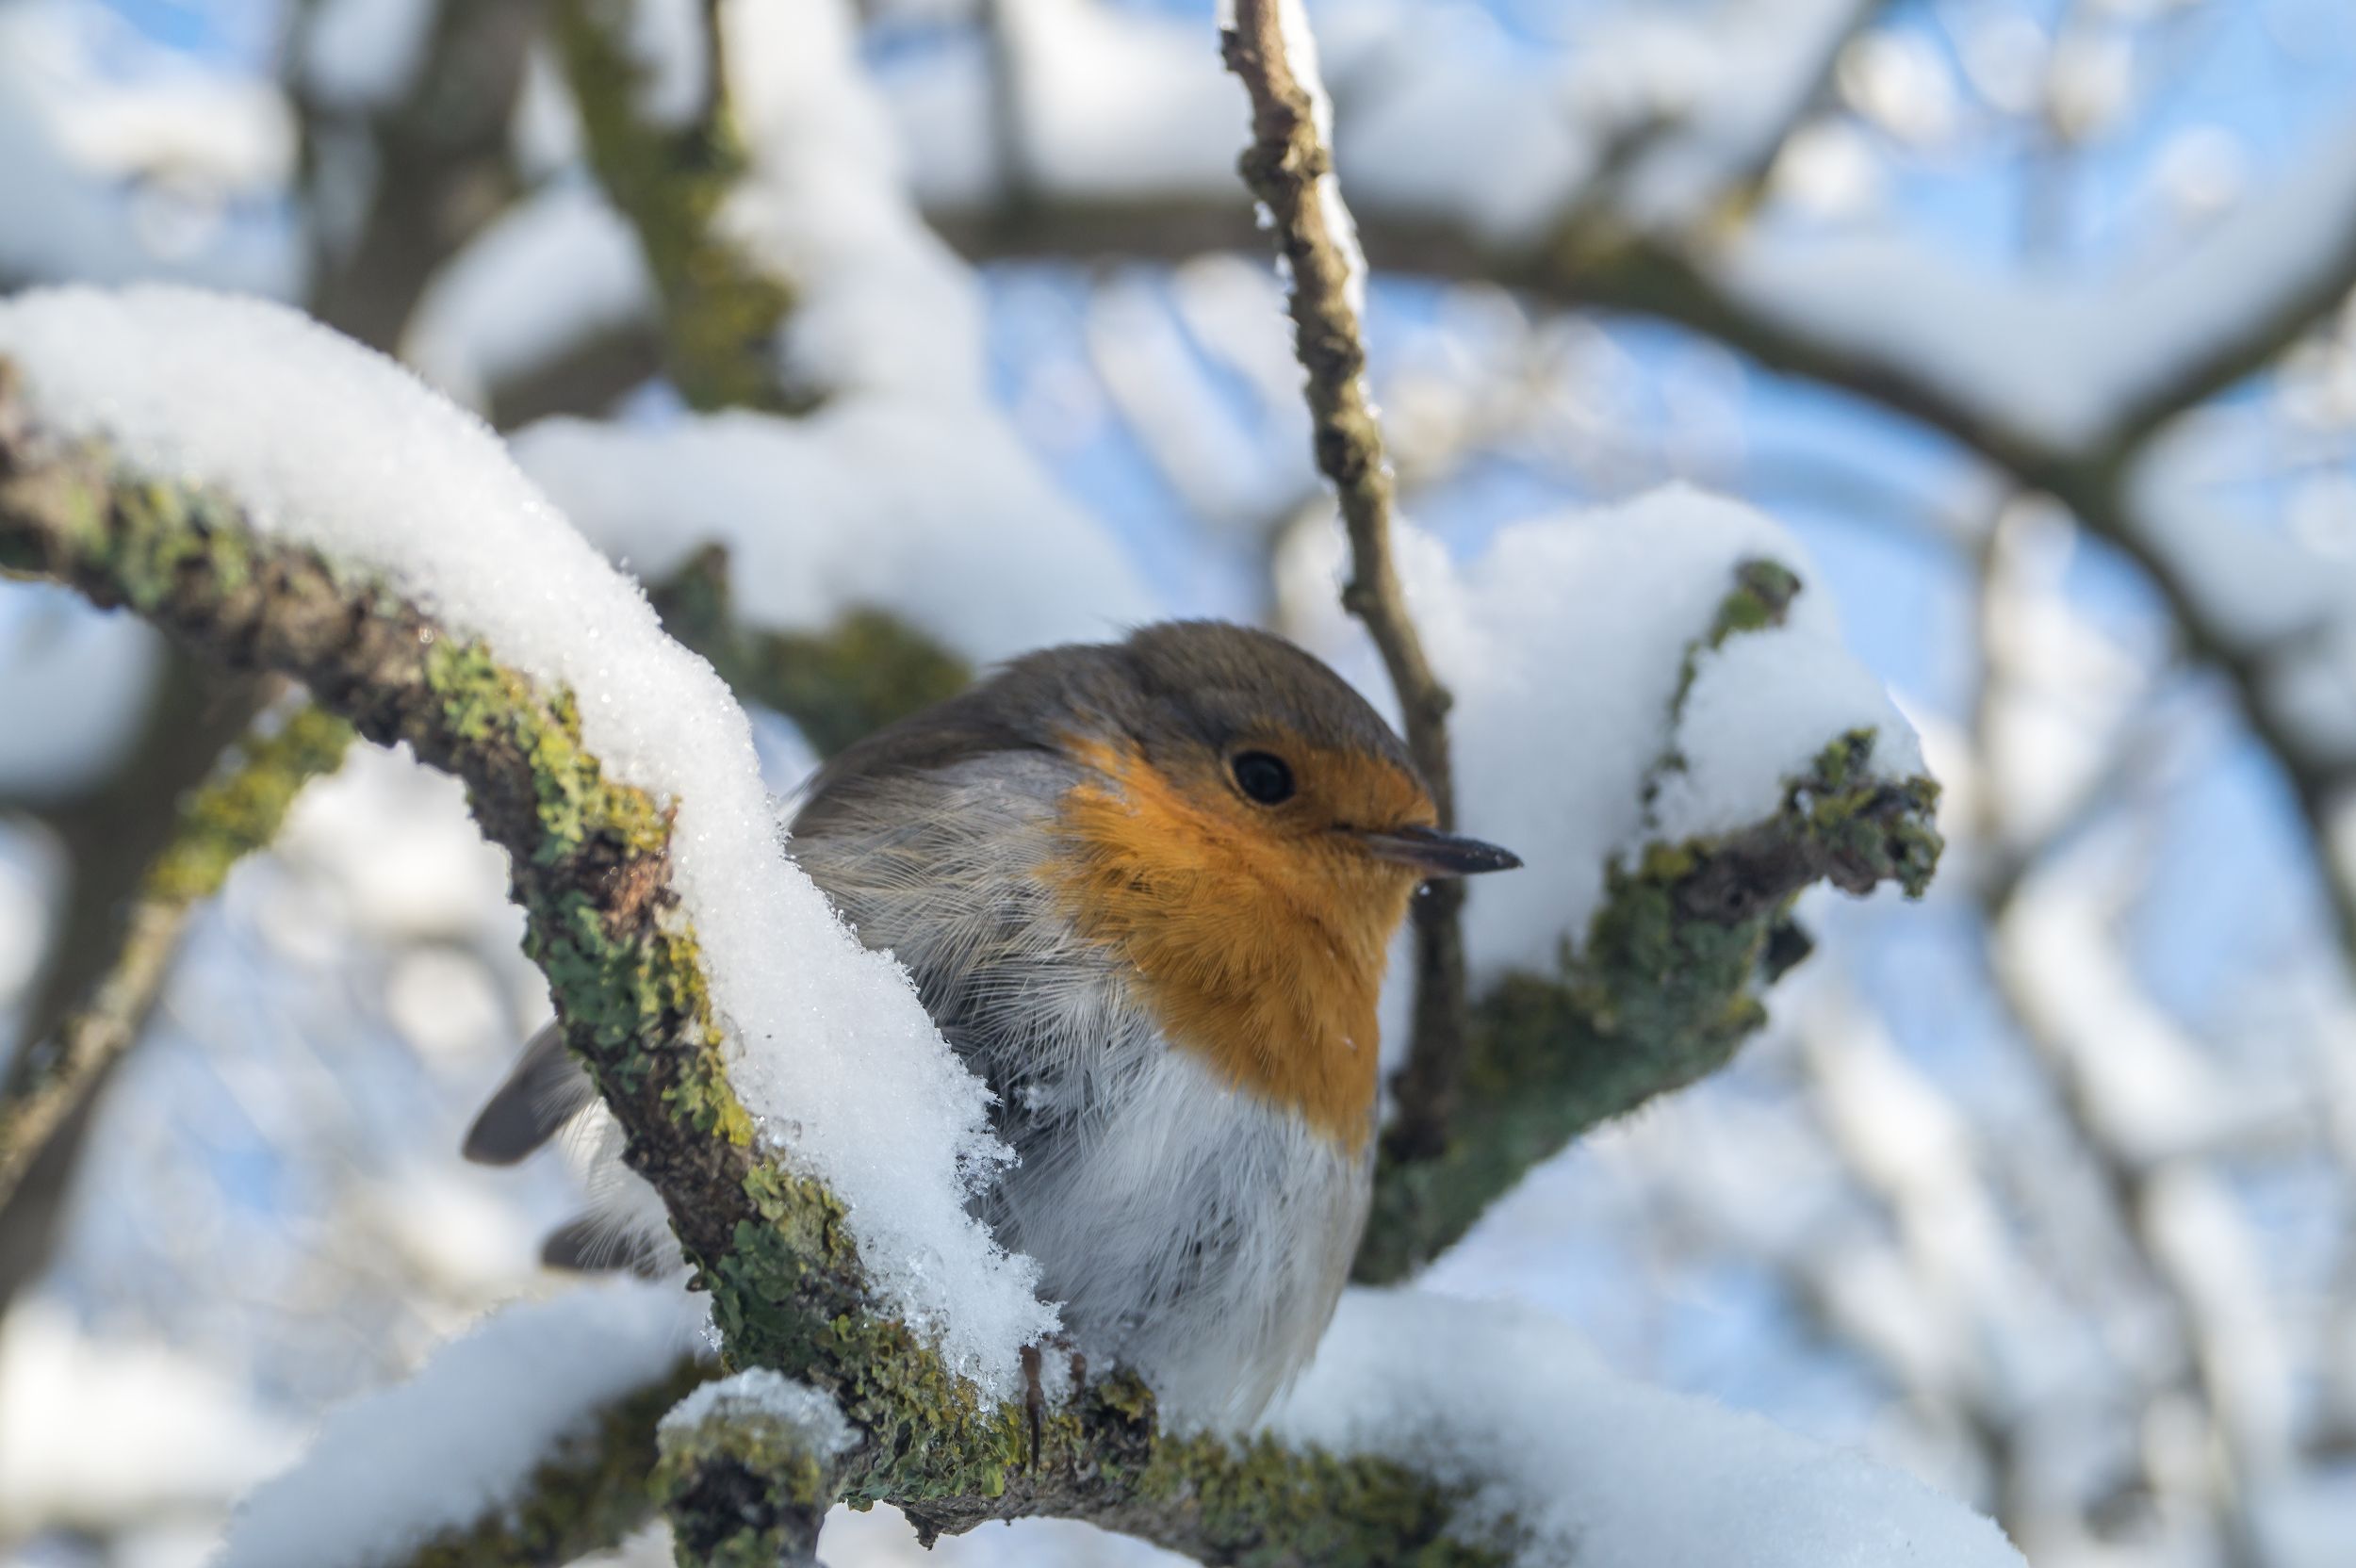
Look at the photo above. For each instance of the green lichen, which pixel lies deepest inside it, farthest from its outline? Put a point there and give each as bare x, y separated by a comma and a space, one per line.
1261, 1505
1760, 598
744, 1485
722, 308
240, 810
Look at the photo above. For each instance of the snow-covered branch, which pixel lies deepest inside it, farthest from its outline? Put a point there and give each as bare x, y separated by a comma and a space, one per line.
1691, 921
749, 1467
616, 772
532, 1439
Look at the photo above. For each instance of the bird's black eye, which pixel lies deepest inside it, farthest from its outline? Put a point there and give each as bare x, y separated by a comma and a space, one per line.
1263, 777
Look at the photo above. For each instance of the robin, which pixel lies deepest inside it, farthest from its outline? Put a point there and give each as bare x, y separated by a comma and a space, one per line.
1146, 890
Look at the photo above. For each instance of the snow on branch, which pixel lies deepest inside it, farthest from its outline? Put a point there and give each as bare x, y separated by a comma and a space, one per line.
335, 450
279, 498
2075, 369
1589, 1468
789, 263
749, 1467
651, 83
530, 1439
1658, 711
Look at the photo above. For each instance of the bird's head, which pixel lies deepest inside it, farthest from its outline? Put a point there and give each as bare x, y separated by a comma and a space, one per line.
1234, 821
1248, 832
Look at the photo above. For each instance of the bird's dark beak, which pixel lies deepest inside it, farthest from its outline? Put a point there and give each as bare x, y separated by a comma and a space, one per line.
1437, 853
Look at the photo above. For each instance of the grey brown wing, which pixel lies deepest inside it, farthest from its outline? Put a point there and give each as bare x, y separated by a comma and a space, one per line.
545, 1089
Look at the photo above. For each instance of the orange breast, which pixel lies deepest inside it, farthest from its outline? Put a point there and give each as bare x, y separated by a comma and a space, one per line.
1260, 950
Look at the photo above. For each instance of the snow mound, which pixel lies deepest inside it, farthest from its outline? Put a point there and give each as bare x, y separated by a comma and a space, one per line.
1594, 1469
460, 1441
1564, 643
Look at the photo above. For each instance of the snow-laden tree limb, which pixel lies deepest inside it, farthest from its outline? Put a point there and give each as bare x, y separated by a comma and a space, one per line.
749, 1467
596, 865
531, 1439
1663, 989
226, 820
589, 860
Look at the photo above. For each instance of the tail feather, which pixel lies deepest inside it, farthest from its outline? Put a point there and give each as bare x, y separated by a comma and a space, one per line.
546, 1089
599, 1244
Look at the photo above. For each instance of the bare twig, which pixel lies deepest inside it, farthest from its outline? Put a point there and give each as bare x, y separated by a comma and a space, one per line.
1290, 169
218, 825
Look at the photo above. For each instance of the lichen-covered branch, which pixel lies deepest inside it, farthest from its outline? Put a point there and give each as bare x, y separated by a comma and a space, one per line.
588, 1495
1290, 169
722, 306
1665, 987
749, 1467
222, 823
588, 861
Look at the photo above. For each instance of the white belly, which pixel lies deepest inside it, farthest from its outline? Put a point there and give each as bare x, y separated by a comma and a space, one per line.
1190, 1230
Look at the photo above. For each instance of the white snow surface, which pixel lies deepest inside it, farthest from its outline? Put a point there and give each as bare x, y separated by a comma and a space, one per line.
880, 503
1762, 708
461, 1438
335, 447
764, 1393
1562, 643
1600, 1471
548, 273
2061, 362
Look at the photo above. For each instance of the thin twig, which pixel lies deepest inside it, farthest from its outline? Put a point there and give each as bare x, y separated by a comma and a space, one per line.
1290, 169
218, 824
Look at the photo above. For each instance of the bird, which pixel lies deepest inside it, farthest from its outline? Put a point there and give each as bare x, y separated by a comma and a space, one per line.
1146, 890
